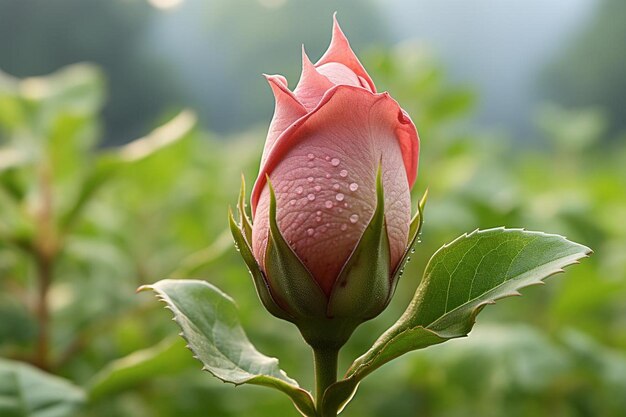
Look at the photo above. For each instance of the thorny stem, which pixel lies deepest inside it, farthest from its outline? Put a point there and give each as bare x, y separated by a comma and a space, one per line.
325, 361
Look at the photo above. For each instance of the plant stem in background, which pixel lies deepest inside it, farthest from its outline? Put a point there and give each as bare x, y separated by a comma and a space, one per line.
44, 254
325, 362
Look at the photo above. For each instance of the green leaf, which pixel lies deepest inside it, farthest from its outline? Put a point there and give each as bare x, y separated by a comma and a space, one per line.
167, 358
459, 281
26, 391
112, 162
209, 323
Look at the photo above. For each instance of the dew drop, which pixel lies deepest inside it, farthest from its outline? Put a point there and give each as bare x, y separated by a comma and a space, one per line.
292, 202
327, 175
354, 218
318, 188
336, 186
334, 162
311, 156
339, 197
299, 190
327, 158
318, 219
344, 227
412, 250
354, 186
343, 173
310, 179
310, 231
328, 204
311, 197
319, 212
345, 205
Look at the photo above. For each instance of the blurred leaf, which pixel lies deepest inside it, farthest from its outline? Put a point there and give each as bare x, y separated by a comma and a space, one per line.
571, 129
166, 358
111, 162
208, 319
26, 391
484, 266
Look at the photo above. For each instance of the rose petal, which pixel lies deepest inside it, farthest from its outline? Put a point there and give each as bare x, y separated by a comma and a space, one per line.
339, 74
339, 144
286, 111
312, 84
340, 51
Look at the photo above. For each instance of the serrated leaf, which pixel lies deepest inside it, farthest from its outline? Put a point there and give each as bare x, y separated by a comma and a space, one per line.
209, 322
460, 279
26, 391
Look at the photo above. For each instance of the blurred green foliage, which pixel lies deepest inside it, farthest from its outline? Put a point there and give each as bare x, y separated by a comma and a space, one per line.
90, 225
590, 71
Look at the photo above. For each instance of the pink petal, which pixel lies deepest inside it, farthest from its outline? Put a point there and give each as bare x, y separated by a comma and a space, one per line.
312, 84
286, 111
323, 169
340, 51
339, 74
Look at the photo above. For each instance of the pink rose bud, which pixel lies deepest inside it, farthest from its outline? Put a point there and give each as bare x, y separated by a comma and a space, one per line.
331, 205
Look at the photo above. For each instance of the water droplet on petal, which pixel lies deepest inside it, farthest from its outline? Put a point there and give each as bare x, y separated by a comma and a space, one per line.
318, 219
327, 158
292, 202
327, 175
354, 218
328, 204
319, 212
310, 231
334, 162
310, 179
344, 226
339, 197
311, 197
354, 186
318, 188
299, 190
311, 156
336, 186
345, 205
412, 250
343, 173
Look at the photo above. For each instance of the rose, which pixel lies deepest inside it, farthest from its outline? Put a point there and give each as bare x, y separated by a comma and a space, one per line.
328, 142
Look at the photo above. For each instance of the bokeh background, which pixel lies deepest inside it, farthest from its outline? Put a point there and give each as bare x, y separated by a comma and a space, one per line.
521, 109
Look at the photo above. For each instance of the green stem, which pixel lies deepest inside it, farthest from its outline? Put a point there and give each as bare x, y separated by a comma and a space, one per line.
325, 361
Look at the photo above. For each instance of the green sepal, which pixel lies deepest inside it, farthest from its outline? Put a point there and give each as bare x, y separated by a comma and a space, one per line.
414, 231
363, 286
258, 278
244, 220
290, 282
